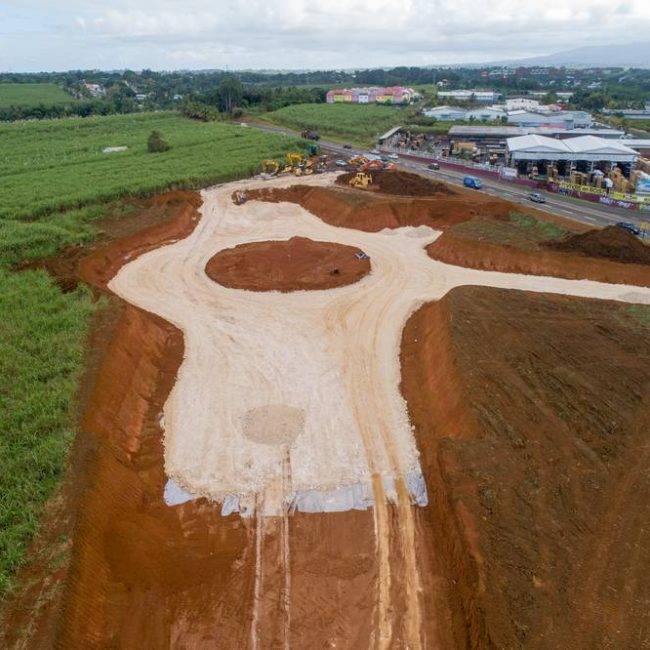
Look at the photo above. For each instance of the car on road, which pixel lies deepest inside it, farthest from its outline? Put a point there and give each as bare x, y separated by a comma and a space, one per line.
341, 163
630, 227
375, 152
536, 197
347, 146
393, 156
473, 182
433, 166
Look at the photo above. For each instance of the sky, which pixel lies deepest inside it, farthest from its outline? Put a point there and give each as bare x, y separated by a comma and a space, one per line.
37, 35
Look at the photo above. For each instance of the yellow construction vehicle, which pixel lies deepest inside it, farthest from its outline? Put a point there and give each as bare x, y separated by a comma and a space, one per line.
270, 166
293, 158
360, 180
358, 160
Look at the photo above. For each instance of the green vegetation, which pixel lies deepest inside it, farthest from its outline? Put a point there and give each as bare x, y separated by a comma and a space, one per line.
356, 123
156, 143
32, 94
519, 230
42, 333
48, 166
51, 165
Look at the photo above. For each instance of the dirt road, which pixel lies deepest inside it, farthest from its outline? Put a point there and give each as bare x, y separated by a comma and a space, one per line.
291, 401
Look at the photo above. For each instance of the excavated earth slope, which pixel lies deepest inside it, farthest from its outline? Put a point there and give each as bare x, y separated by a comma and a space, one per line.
532, 414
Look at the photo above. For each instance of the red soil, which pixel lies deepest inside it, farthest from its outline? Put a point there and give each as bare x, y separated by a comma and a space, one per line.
362, 210
143, 574
486, 256
610, 243
531, 414
294, 265
400, 183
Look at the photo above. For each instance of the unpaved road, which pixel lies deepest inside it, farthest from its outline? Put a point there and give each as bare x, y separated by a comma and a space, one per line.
331, 355
292, 400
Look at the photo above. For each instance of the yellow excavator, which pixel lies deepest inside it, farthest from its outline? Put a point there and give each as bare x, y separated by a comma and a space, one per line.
293, 158
270, 166
360, 180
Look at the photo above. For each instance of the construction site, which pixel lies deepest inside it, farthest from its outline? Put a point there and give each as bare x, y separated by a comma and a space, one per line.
354, 408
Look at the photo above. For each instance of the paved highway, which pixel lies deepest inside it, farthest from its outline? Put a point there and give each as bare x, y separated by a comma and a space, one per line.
564, 206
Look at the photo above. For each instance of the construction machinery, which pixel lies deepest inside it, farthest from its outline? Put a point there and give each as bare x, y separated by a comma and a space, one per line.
372, 165
360, 181
293, 158
270, 167
357, 161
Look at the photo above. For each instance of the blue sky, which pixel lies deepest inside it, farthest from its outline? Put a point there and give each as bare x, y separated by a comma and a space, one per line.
161, 34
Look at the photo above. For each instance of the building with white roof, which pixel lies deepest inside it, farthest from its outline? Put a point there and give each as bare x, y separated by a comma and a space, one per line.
584, 153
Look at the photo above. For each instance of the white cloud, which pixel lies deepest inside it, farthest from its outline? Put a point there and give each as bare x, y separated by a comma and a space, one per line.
319, 33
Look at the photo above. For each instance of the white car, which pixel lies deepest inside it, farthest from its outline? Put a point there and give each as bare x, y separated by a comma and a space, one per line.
393, 156
341, 163
376, 152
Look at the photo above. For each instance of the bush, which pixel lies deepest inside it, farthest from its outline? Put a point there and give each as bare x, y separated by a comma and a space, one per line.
156, 143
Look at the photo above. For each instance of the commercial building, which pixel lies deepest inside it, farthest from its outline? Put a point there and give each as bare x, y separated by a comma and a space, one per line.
373, 95
583, 154
479, 96
457, 114
557, 119
485, 132
630, 114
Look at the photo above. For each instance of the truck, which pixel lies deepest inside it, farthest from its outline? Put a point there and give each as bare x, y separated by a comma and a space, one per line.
473, 182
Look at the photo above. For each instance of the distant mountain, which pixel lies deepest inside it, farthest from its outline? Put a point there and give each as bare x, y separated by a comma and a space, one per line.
634, 55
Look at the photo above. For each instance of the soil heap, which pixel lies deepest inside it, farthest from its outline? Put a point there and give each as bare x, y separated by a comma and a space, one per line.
399, 183
297, 264
612, 243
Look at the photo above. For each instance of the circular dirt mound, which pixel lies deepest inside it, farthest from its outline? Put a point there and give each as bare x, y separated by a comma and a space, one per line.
297, 264
612, 243
399, 183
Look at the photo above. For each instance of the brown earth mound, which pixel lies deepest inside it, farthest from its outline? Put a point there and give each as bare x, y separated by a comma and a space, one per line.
371, 212
452, 249
400, 183
298, 264
531, 414
610, 243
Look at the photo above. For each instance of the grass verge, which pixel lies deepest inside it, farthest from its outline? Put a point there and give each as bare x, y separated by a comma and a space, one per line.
519, 230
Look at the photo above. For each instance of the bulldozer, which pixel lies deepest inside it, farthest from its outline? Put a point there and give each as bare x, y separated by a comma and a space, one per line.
270, 167
360, 181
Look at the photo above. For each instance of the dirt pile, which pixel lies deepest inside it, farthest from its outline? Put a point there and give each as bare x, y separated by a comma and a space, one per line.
609, 243
298, 264
371, 212
530, 413
400, 183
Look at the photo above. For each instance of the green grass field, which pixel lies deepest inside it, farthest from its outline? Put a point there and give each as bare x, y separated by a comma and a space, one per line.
32, 94
46, 166
358, 124
51, 165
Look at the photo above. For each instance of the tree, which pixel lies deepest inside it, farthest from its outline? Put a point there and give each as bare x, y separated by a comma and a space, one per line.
156, 143
230, 93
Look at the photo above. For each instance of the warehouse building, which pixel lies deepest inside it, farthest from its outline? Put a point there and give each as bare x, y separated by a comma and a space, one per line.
551, 119
583, 154
479, 96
